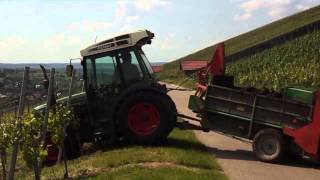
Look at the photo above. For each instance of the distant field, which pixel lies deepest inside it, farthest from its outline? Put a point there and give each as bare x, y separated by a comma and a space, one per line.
181, 157
171, 71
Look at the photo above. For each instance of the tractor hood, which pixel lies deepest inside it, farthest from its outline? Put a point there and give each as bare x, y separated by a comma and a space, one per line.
76, 99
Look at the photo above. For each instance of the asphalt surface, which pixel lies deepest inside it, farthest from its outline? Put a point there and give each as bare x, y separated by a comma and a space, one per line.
237, 159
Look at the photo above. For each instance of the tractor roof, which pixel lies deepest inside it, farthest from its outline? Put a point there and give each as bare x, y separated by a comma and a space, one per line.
139, 38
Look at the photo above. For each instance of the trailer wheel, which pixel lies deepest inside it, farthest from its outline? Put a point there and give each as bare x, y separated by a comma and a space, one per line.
268, 145
146, 117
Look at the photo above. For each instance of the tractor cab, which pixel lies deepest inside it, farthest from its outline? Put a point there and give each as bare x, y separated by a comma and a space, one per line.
114, 64
113, 70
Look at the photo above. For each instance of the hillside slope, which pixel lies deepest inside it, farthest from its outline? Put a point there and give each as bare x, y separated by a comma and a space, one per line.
171, 71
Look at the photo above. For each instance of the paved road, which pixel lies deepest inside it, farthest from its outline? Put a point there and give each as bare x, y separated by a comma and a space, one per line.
237, 159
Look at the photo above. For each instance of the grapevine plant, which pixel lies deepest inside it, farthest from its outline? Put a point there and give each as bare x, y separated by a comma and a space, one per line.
6, 138
33, 149
57, 124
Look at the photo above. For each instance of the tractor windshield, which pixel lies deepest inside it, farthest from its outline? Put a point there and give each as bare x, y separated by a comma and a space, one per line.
146, 62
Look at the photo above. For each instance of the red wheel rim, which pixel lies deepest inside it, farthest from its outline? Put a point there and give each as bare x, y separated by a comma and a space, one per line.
143, 118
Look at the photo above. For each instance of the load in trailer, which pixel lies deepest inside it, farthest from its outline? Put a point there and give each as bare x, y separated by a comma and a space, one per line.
277, 124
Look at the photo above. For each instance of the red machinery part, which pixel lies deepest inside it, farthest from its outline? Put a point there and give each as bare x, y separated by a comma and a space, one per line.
308, 136
215, 67
52, 150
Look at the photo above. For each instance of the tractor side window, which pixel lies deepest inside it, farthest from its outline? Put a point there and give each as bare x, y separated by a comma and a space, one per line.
105, 70
130, 67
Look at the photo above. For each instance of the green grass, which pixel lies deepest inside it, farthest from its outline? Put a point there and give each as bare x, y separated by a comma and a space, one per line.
172, 73
181, 157
164, 173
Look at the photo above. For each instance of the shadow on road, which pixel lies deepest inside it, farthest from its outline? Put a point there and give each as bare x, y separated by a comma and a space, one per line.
239, 154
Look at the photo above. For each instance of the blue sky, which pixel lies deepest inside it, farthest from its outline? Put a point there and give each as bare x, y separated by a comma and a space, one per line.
56, 30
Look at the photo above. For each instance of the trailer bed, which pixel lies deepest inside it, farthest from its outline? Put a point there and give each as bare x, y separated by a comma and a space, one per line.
236, 111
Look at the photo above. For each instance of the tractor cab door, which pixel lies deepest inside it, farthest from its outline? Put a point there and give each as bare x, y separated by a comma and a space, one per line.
106, 77
103, 85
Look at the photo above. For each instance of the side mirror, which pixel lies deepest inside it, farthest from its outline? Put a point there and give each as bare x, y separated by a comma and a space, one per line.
69, 70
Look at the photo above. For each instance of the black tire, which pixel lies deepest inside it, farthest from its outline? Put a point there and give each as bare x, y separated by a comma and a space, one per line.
268, 145
160, 104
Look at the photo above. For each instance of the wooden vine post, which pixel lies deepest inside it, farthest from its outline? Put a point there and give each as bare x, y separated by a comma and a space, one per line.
46, 115
20, 114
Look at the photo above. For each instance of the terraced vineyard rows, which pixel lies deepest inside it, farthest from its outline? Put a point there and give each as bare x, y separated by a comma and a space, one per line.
293, 63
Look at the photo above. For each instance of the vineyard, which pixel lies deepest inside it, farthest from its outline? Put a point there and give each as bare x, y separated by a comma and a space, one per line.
28, 131
293, 63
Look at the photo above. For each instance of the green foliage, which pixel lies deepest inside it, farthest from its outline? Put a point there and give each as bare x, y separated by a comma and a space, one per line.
294, 63
6, 139
31, 135
30, 139
57, 122
6, 131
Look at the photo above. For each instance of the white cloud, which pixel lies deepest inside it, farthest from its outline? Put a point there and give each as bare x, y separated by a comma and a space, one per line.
274, 9
58, 46
10, 44
55, 40
278, 8
148, 5
242, 17
129, 11
125, 28
168, 42
132, 7
13, 40
251, 5
90, 26
121, 9
188, 38
132, 18
95, 26
73, 26
302, 7
73, 40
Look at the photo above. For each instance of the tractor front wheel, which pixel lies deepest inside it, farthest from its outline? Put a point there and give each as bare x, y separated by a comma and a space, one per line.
147, 117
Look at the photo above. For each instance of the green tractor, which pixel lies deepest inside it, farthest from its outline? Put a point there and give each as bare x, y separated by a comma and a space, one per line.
122, 98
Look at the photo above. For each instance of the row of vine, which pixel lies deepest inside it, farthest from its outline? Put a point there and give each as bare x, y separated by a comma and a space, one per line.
32, 147
292, 63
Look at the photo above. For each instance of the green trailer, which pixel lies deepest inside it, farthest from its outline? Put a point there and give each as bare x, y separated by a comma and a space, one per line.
261, 118
277, 124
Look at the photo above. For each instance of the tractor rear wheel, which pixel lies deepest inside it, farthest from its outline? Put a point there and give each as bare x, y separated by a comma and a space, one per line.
268, 145
147, 117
